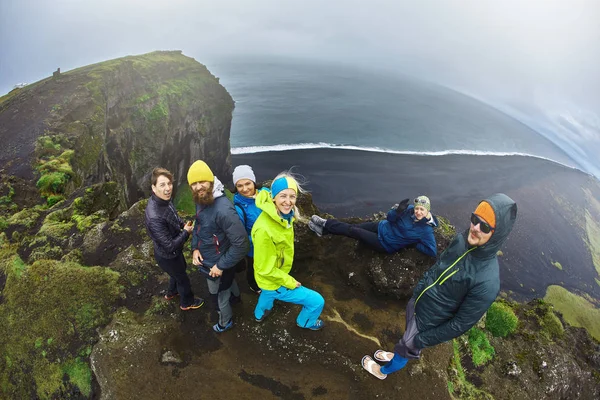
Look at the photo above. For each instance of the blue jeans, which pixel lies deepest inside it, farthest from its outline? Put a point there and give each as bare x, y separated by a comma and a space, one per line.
311, 301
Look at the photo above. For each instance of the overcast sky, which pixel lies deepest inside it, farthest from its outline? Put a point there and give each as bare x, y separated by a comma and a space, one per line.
543, 53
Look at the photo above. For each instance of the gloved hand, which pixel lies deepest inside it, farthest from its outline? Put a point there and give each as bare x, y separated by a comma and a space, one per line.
403, 205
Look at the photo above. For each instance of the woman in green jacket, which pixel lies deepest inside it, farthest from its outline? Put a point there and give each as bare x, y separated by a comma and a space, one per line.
273, 238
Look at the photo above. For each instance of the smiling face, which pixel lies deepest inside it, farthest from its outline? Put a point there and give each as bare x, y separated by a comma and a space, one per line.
420, 212
285, 201
245, 187
163, 188
476, 237
202, 192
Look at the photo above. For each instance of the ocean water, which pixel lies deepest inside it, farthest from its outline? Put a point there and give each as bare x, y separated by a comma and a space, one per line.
283, 104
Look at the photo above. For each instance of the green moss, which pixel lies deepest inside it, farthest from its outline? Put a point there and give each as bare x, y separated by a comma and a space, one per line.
558, 265
458, 385
552, 328
576, 310
3, 223
46, 253
52, 183
7, 199
184, 201
501, 320
159, 306
445, 227
26, 217
84, 223
481, 349
79, 374
593, 234
56, 229
81, 300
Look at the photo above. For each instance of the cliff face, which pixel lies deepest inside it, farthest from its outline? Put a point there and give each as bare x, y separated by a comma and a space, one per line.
115, 121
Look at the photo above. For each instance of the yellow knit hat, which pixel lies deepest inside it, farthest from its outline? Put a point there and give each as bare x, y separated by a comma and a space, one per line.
200, 172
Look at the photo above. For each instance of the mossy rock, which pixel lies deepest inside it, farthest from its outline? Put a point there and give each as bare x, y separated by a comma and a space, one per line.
26, 217
103, 196
51, 310
134, 265
501, 320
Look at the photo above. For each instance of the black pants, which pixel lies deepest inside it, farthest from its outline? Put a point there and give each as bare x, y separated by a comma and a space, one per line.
365, 232
179, 281
247, 263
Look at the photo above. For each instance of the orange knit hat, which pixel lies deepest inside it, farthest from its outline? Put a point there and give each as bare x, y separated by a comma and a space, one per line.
485, 211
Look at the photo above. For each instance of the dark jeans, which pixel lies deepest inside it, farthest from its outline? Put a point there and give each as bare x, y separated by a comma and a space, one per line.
179, 281
365, 232
247, 263
250, 274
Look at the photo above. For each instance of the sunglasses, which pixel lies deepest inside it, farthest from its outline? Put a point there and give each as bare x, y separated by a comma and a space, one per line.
483, 226
420, 201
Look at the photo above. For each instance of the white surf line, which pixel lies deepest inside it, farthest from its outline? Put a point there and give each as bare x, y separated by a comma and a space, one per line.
338, 318
310, 146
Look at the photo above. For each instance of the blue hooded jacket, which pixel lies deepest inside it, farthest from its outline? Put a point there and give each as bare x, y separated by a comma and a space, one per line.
248, 213
402, 229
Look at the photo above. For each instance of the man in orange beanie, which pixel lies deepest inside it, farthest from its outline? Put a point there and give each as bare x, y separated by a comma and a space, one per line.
457, 290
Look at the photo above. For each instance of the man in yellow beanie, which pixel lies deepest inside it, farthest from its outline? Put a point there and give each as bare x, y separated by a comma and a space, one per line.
219, 241
457, 290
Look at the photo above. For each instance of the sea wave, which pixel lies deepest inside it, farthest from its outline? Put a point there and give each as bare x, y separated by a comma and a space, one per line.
307, 146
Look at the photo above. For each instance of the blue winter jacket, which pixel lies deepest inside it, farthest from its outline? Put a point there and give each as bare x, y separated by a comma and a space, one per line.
248, 213
402, 229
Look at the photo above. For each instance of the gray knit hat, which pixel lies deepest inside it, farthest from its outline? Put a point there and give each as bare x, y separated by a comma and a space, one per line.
243, 172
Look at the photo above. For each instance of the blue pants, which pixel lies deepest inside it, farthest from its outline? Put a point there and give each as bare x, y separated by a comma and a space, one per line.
311, 301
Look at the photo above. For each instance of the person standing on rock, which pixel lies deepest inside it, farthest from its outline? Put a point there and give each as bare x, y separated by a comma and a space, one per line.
169, 233
219, 240
457, 290
273, 238
405, 225
245, 205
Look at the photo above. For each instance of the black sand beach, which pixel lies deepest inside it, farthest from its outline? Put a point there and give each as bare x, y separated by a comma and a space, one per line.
552, 202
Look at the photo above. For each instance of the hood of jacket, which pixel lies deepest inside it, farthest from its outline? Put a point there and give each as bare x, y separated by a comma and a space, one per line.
505, 210
218, 188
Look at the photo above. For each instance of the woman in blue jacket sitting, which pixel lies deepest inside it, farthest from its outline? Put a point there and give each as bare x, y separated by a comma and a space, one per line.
404, 225
244, 202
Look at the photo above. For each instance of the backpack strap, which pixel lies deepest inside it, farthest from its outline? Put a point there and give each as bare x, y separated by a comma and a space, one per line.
241, 207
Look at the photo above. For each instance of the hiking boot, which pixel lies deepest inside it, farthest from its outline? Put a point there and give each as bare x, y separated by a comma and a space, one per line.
318, 325
171, 296
315, 228
220, 329
261, 319
198, 302
318, 221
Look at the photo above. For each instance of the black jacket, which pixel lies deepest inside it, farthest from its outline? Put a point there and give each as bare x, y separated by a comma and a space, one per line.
459, 288
165, 228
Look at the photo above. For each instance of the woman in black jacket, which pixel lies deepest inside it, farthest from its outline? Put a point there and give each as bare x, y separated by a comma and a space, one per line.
168, 233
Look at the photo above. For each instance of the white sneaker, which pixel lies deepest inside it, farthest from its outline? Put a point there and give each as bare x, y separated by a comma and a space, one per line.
318, 221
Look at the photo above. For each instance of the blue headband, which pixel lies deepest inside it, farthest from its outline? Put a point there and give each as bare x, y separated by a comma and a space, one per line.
285, 182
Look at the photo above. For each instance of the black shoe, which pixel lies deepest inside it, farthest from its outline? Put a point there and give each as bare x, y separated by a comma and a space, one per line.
198, 302
171, 296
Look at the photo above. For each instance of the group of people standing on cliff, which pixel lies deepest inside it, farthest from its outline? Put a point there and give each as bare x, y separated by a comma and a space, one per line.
255, 232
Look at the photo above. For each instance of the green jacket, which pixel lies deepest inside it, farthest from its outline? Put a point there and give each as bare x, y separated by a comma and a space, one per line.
459, 288
273, 239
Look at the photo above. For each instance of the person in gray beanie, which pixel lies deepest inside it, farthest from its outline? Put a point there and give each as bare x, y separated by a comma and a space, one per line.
405, 225
244, 203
